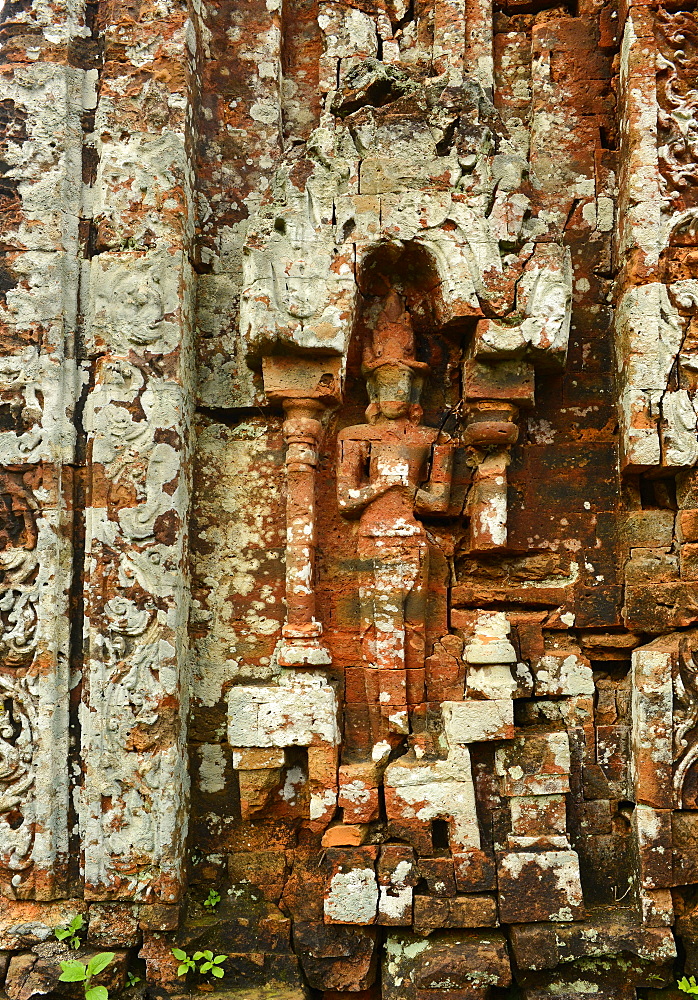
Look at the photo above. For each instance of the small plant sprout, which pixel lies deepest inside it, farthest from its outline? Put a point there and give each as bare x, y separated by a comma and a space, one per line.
688, 985
185, 963
210, 964
79, 972
212, 900
70, 933
131, 980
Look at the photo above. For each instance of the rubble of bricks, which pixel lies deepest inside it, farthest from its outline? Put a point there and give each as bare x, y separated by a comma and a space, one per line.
349, 498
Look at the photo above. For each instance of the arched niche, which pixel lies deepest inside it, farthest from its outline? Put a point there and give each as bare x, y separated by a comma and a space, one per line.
410, 269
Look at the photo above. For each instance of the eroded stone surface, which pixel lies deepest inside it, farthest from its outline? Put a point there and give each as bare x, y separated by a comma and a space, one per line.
348, 503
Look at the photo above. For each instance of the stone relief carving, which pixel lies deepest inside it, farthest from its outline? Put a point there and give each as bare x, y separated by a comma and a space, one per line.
131, 655
390, 470
17, 783
19, 618
134, 778
36, 407
479, 227
535, 819
685, 720
677, 61
19, 565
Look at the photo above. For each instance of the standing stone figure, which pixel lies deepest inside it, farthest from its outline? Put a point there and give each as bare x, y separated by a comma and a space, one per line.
390, 470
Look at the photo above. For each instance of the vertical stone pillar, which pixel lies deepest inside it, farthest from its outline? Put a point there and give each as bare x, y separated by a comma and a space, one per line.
651, 776
44, 95
479, 52
490, 433
643, 369
305, 386
138, 423
302, 631
449, 32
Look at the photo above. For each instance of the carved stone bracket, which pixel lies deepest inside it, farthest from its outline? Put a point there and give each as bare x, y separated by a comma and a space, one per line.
306, 387
490, 432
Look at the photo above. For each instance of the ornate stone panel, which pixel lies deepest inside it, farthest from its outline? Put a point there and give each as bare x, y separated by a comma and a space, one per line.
137, 420
348, 503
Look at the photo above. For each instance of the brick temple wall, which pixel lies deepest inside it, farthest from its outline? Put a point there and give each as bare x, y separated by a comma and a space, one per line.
348, 497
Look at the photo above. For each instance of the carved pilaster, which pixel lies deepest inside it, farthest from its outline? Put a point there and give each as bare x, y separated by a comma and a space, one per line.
301, 632
138, 319
306, 387
490, 432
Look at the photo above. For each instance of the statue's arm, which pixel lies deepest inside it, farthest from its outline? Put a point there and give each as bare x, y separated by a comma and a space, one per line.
352, 459
352, 492
433, 498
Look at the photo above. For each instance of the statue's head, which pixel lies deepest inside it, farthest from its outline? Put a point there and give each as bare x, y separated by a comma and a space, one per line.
393, 376
393, 391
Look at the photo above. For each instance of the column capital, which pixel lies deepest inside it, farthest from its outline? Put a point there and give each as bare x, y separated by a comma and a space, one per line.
298, 380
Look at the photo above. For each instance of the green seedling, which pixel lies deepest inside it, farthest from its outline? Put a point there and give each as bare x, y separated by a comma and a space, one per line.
688, 985
79, 972
131, 980
212, 900
70, 933
210, 964
186, 964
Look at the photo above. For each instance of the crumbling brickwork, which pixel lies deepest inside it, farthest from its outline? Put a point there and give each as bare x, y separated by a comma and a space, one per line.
349, 496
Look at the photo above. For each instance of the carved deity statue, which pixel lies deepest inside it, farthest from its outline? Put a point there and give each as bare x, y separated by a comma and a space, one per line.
391, 471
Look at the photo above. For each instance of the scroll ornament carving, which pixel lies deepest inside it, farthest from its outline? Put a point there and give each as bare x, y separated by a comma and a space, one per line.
132, 682
19, 597
18, 564
685, 716
17, 722
131, 653
677, 65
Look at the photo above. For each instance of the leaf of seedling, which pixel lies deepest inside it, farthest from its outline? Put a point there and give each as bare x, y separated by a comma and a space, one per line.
131, 979
213, 965
75, 943
62, 933
180, 955
72, 972
99, 962
77, 923
97, 993
183, 969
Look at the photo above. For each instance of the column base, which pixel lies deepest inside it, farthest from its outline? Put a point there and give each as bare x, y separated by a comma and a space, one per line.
302, 652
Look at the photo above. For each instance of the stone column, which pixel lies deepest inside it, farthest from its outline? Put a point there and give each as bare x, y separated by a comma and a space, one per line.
138, 413
305, 386
652, 777
45, 96
490, 432
479, 61
301, 631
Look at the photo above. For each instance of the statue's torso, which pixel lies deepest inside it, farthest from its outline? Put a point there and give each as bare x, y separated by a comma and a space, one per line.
399, 453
